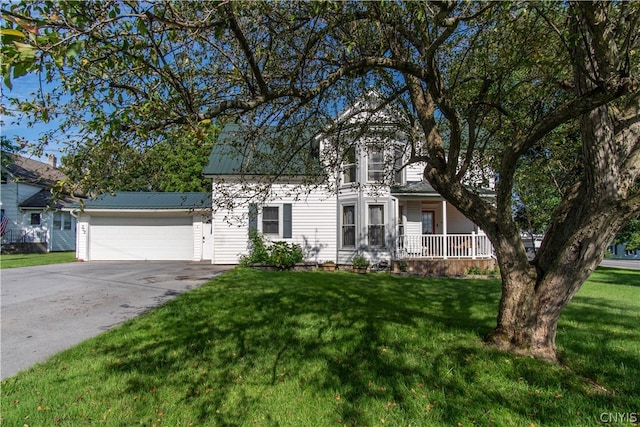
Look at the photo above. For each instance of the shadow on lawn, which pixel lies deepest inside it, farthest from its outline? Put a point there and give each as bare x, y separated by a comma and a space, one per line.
354, 339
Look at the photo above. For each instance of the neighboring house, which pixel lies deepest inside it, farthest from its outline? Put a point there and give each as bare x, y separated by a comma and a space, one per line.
32, 218
619, 251
144, 226
356, 213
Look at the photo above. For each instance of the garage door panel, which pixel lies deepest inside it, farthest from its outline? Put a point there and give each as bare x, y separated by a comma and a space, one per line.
131, 238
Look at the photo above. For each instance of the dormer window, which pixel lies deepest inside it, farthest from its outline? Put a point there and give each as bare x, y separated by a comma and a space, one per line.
375, 164
349, 166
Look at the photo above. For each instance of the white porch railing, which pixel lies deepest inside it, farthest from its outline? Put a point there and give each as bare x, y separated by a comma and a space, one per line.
443, 246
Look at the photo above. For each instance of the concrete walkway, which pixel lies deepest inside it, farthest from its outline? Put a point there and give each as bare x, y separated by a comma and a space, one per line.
47, 309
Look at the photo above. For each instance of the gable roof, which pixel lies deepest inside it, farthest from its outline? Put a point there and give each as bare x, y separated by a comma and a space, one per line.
139, 200
31, 171
45, 199
266, 151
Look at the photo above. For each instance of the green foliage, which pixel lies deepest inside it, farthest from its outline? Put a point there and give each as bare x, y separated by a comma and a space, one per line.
281, 255
171, 164
360, 261
477, 270
284, 256
629, 235
312, 349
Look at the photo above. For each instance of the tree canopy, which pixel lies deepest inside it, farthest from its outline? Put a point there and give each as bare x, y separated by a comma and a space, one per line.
499, 83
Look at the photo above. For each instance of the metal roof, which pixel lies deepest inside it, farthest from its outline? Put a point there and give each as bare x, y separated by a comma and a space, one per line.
132, 200
423, 188
265, 151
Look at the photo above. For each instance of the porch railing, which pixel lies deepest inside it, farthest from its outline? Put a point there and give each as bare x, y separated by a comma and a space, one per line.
443, 246
14, 235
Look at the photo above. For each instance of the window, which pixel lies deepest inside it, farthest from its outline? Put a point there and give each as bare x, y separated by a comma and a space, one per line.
67, 221
270, 220
397, 166
349, 226
35, 219
57, 221
376, 226
400, 220
375, 164
428, 226
349, 166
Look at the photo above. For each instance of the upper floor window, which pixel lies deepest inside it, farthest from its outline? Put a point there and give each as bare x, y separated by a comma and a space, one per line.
349, 166
375, 164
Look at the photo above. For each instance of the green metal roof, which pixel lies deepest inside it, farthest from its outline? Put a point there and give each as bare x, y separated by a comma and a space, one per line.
147, 200
423, 188
266, 151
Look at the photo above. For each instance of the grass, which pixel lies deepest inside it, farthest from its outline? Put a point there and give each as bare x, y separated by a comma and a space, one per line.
29, 260
323, 349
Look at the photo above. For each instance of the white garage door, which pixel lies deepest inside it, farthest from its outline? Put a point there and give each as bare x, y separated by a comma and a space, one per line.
131, 238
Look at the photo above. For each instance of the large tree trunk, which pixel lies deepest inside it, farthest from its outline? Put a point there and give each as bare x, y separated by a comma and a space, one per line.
535, 293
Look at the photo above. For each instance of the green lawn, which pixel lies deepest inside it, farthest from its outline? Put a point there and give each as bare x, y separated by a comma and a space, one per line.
28, 260
329, 349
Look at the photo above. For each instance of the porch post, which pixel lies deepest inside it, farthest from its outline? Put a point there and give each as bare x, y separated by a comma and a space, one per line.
473, 244
445, 243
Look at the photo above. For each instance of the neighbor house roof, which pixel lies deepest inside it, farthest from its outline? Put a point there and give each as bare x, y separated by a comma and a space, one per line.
265, 151
138, 200
30, 171
44, 199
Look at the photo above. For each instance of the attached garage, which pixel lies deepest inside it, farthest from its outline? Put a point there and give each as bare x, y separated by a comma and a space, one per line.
145, 226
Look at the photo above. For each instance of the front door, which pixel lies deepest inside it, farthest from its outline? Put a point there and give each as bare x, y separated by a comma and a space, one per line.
428, 223
207, 240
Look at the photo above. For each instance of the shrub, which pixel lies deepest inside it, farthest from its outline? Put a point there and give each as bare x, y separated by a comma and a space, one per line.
284, 256
280, 255
258, 253
360, 261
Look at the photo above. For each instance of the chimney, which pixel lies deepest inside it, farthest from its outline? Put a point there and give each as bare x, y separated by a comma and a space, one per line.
53, 162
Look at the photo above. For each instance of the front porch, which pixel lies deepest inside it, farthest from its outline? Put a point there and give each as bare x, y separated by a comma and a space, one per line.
444, 246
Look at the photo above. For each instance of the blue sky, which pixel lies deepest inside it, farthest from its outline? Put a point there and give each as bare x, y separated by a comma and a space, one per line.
24, 88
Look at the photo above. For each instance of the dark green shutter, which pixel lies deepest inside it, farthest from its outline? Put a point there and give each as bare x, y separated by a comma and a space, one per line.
286, 221
253, 217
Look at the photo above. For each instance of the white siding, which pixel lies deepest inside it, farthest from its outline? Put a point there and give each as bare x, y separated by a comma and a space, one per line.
313, 225
82, 238
458, 223
414, 172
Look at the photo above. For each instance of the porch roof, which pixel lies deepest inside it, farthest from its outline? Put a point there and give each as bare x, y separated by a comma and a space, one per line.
424, 189
415, 188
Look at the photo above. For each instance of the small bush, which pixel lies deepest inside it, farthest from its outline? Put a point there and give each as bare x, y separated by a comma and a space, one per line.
360, 261
284, 256
258, 253
281, 255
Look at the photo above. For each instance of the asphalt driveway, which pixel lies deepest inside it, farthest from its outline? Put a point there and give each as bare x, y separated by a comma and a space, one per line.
50, 308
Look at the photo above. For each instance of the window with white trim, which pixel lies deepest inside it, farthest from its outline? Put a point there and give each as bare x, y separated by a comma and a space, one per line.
375, 164
35, 219
376, 226
270, 220
349, 169
348, 226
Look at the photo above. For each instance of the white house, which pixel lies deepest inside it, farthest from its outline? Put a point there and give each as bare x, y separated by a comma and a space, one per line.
144, 226
369, 206
32, 219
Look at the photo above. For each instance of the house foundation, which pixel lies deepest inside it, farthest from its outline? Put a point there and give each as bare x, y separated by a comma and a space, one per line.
441, 267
